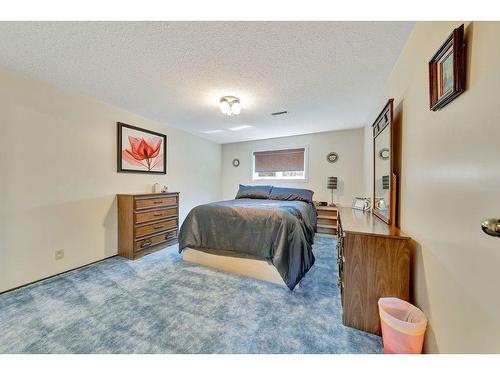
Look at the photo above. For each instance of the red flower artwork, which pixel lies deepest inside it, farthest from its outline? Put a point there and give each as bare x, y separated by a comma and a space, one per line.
144, 152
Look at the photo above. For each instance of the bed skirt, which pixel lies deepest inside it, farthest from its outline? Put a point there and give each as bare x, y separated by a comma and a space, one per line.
260, 269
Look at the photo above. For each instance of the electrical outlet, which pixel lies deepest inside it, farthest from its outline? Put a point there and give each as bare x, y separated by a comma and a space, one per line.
59, 254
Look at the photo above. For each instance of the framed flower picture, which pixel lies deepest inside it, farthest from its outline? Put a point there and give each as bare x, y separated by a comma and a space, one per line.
141, 150
447, 70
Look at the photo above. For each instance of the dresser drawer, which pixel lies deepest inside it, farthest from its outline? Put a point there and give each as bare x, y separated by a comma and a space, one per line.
156, 227
327, 221
330, 214
142, 204
143, 217
154, 240
324, 230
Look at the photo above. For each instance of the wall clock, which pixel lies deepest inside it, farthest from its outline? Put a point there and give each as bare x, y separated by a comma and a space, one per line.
384, 154
332, 157
236, 163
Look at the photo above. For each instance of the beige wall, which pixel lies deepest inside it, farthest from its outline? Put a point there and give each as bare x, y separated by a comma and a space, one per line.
450, 183
58, 177
349, 168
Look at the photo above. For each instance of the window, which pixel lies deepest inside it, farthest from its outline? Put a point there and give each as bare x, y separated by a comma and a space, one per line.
280, 164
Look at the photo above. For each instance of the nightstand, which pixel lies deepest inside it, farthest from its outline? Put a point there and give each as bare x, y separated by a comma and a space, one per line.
327, 220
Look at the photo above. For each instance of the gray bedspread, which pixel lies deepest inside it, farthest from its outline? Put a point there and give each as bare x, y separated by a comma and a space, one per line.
280, 231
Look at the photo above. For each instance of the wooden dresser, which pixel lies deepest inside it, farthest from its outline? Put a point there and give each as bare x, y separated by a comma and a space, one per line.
374, 262
146, 223
327, 220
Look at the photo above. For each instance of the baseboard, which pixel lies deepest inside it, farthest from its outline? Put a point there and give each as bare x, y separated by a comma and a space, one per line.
57, 274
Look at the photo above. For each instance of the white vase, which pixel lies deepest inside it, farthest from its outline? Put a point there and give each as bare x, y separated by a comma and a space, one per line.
156, 188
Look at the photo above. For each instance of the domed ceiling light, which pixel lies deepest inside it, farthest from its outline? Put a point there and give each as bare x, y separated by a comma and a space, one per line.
230, 105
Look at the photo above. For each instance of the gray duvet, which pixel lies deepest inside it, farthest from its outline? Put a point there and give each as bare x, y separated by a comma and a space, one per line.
279, 231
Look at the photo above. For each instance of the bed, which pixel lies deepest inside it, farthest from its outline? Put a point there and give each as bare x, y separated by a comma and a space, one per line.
266, 233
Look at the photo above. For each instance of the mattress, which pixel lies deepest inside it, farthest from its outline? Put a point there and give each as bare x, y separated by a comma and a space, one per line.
281, 232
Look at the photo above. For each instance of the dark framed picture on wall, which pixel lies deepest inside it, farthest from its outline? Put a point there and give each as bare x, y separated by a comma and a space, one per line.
141, 150
447, 70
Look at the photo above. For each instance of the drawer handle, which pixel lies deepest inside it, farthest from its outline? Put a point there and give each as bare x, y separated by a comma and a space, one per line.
159, 227
157, 202
160, 214
146, 243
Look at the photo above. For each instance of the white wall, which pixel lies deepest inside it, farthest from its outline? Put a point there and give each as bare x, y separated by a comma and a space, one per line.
349, 167
450, 183
58, 177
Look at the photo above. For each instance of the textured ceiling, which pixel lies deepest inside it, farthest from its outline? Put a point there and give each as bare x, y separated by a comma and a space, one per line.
327, 75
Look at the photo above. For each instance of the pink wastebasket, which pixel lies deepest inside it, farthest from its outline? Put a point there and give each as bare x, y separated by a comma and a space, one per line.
403, 326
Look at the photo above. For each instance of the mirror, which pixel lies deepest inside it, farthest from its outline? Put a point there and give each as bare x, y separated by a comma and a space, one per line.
382, 173
383, 180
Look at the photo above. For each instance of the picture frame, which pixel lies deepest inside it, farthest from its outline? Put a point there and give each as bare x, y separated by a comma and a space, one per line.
447, 70
360, 203
140, 150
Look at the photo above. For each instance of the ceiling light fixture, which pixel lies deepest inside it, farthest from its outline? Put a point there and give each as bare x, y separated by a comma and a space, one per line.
230, 105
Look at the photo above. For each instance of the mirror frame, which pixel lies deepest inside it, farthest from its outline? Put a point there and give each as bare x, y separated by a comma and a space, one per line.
377, 129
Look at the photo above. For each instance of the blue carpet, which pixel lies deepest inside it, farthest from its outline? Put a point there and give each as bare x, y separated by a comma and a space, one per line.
160, 304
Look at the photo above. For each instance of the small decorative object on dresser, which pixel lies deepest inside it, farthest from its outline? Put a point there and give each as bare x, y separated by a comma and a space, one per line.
447, 70
146, 223
327, 220
363, 204
157, 188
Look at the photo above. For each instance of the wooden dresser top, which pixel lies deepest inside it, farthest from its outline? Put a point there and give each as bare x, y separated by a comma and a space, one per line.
357, 221
150, 194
